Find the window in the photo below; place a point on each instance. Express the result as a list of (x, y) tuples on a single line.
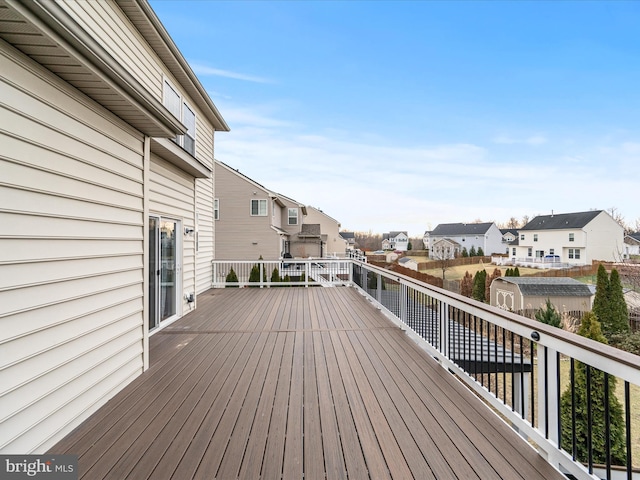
[(529, 252), (574, 253), (552, 251), (535, 237), (216, 209), (522, 236), (513, 251), (577, 253), (539, 253), (571, 237), (189, 120), (293, 216), (571, 253), (184, 113), (258, 208)]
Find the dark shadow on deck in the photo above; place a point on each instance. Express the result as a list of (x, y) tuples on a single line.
[(292, 383)]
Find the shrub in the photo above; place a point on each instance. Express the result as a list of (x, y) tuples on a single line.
[(232, 278), (275, 275)]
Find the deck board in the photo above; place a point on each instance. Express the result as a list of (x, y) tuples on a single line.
[(291, 383)]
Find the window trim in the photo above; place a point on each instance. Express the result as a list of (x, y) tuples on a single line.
[(290, 217), (216, 209), (259, 200), (182, 104)]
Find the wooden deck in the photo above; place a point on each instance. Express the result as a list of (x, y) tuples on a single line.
[(295, 383)]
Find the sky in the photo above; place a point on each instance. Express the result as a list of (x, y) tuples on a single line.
[(401, 115)]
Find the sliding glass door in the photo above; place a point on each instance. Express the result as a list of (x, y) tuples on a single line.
[(165, 270)]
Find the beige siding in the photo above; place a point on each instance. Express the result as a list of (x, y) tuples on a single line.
[(238, 234), (71, 256), (205, 227), (171, 194), (109, 26)]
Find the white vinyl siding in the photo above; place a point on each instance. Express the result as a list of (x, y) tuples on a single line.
[(171, 195), (71, 256)]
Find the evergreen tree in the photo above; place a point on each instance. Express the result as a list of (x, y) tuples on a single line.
[(275, 275), (601, 301), (472, 252), (516, 272), (464, 252), (466, 285), (479, 285), (618, 322), (480, 252), (591, 328), (232, 278), (254, 276), (549, 315), (509, 272), (409, 246)]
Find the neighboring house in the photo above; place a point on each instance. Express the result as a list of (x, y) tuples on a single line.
[(632, 245), (445, 249), (395, 241), (426, 239), (334, 243), (525, 293), (510, 239), (350, 238), (251, 220), (570, 238), (468, 235), (107, 206)]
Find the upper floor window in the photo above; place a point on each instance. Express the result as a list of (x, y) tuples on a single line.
[(258, 208), (293, 216), (216, 209), (529, 252), (522, 236), (179, 108), (571, 237), (535, 237)]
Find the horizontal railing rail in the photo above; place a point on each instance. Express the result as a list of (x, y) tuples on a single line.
[(280, 273), (529, 372)]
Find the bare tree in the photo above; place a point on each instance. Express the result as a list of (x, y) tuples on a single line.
[(618, 217), (443, 259), (513, 223), (525, 220)]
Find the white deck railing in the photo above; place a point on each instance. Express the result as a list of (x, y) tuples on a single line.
[(520, 367)]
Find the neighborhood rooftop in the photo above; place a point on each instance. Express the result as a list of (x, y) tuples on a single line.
[(562, 220), (553, 286)]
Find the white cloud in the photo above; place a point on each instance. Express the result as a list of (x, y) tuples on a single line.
[(370, 183), (204, 70)]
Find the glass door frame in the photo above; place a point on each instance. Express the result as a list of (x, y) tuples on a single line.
[(155, 293)]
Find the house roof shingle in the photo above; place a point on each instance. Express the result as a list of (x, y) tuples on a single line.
[(456, 229), (561, 221), (553, 286)]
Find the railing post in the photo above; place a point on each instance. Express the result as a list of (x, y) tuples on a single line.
[(444, 328), (379, 288), (548, 393), (261, 274), (350, 266), (307, 274), (403, 303)]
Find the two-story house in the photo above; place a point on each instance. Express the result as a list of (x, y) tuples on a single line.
[(398, 241), (251, 220), (350, 239), (631, 245), (107, 195), (570, 238), (333, 242), (448, 240)]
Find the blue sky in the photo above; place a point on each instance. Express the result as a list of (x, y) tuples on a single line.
[(406, 114)]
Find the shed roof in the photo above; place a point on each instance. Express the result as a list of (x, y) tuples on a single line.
[(550, 286)]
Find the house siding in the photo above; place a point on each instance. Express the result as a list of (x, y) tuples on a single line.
[(71, 255), (239, 235), (172, 194)]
